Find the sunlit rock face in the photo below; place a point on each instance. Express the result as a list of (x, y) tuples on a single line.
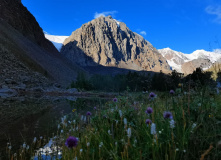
[(108, 42)]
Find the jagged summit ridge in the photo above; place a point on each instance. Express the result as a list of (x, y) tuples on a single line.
[(187, 63), (108, 42)]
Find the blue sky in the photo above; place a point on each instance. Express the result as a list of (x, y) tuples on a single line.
[(183, 25)]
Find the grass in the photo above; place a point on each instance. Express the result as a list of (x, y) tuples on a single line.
[(117, 130)]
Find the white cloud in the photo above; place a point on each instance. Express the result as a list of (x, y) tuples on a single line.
[(107, 13), (143, 33), (215, 10)]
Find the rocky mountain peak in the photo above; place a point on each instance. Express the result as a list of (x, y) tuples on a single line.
[(108, 42)]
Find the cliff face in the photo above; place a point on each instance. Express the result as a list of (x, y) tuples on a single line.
[(22, 41), (107, 42), (16, 15)]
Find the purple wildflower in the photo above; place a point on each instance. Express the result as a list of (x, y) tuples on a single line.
[(149, 110), (172, 91), (95, 108), (148, 121), (167, 115), (115, 99), (89, 113), (71, 142), (152, 95)]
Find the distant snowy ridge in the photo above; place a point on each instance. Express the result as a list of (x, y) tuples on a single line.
[(56, 40), (176, 59)]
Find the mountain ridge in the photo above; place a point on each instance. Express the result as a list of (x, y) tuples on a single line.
[(187, 63), (107, 42)]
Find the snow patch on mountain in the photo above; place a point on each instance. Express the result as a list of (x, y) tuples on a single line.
[(176, 59), (56, 40)]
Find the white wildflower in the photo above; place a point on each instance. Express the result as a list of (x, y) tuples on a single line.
[(81, 150), (194, 125), (35, 139), (82, 117), (85, 119), (24, 145), (184, 151), (74, 121), (9, 147), (109, 132), (41, 137), (129, 132), (172, 123), (88, 144), (160, 132), (153, 129), (62, 131), (120, 113), (125, 121), (177, 149)]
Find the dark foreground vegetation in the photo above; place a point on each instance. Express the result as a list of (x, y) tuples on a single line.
[(180, 121)]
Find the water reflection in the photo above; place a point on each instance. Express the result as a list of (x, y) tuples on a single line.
[(23, 118)]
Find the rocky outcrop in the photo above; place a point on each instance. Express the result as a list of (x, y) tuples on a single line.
[(18, 16), (190, 66), (24, 45), (107, 42)]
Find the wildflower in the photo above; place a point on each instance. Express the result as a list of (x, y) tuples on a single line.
[(129, 132), (82, 117), (95, 108), (24, 145), (193, 125), (74, 110), (153, 129), (199, 104), (15, 154), (85, 119), (149, 110), (160, 132), (180, 85), (152, 95), (88, 144), (148, 121), (71, 142), (116, 143), (167, 115), (35, 139), (177, 149), (109, 132), (172, 91), (172, 123), (9, 147), (89, 113), (74, 121), (81, 150), (59, 126), (101, 144), (115, 99), (41, 137), (125, 122), (184, 151), (120, 113), (62, 131), (27, 147)]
